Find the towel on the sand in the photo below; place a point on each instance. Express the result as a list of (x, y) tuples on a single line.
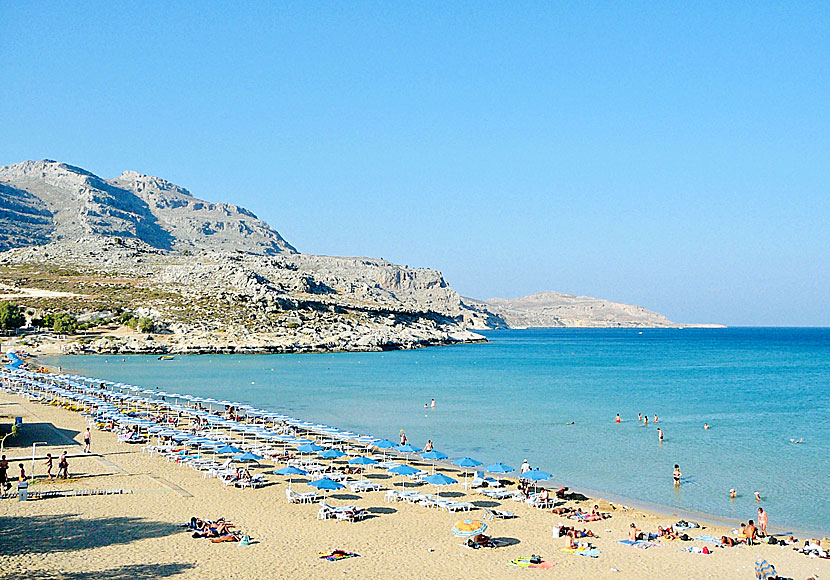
[(643, 544), (708, 539), (335, 555), (590, 552), (696, 550), (526, 563)]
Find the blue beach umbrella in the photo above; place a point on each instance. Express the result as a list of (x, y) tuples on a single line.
[(326, 484), (499, 468), (331, 454), (247, 456), (228, 449), (439, 480), (466, 462), (406, 450), (364, 461), (385, 444), (403, 471), (309, 448), (535, 475), (289, 471), (434, 456)]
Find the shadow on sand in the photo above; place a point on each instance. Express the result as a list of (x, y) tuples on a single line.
[(67, 533), (127, 572), (47, 432)]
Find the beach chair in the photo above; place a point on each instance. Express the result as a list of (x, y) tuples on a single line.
[(325, 512), (483, 480), (491, 514)]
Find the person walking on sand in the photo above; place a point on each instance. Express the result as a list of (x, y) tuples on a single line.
[(63, 466), (676, 475), (762, 521), (4, 474), (87, 441), (48, 464)]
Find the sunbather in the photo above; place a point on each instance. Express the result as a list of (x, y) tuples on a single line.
[(635, 533)]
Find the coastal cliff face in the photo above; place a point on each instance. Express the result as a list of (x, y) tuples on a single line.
[(552, 309), (211, 277)]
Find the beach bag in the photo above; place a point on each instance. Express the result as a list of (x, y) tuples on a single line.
[(534, 559), (685, 537)]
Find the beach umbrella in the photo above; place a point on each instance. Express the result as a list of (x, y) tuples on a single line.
[(247, 456), (468, 528), (406, 450), (499, 468), (434, 456), (439, 480), (326, 484), (535, 475), (364, 461), (466, 462), (764, 570), (309, 448), (331, 454), (403, 471), (228, 449), (289, 471)]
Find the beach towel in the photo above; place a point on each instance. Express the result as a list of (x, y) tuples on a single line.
[(336, 555), (642, 544), (590, 552), (526, 563), (711, 539), (696, 550)]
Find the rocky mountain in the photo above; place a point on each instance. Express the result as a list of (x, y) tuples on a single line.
[(68, 203), (551, 309), (211, 277)]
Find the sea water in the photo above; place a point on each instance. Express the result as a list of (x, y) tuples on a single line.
[(514, 397)]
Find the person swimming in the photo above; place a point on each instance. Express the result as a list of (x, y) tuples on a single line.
[(617, 420), (757, 496), (706, 426), (733, 494)]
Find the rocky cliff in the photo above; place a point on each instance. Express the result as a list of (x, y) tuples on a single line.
[(211, 277), (551, 309)]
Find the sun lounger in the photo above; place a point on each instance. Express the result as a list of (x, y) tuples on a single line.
[(482, 480), (498, 514), (500, 493), (294, 497), (363, 485)]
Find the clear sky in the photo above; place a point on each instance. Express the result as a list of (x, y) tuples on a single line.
[(672, 155)]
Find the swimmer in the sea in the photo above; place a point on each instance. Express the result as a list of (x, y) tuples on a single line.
[(659, 434), (677, 475), (733, 494), (757, 496), (617, 420), (797, 440), (706, 426)]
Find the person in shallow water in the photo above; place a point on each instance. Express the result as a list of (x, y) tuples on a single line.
[(659, 434), (676, 475), (617, 420)]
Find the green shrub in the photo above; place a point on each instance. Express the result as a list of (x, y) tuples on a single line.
[(11, 318)]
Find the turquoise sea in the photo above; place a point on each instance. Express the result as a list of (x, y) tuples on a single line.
[(512, 398)]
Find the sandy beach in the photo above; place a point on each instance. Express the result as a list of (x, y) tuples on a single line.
[(137, 534)]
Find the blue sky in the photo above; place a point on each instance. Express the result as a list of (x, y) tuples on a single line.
[(672, 156)]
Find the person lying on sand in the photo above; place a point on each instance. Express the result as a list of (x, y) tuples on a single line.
[(668, 533)]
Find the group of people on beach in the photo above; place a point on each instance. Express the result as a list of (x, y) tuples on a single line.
[(23, 477)]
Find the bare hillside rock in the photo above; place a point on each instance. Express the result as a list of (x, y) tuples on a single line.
[(552, 309)]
